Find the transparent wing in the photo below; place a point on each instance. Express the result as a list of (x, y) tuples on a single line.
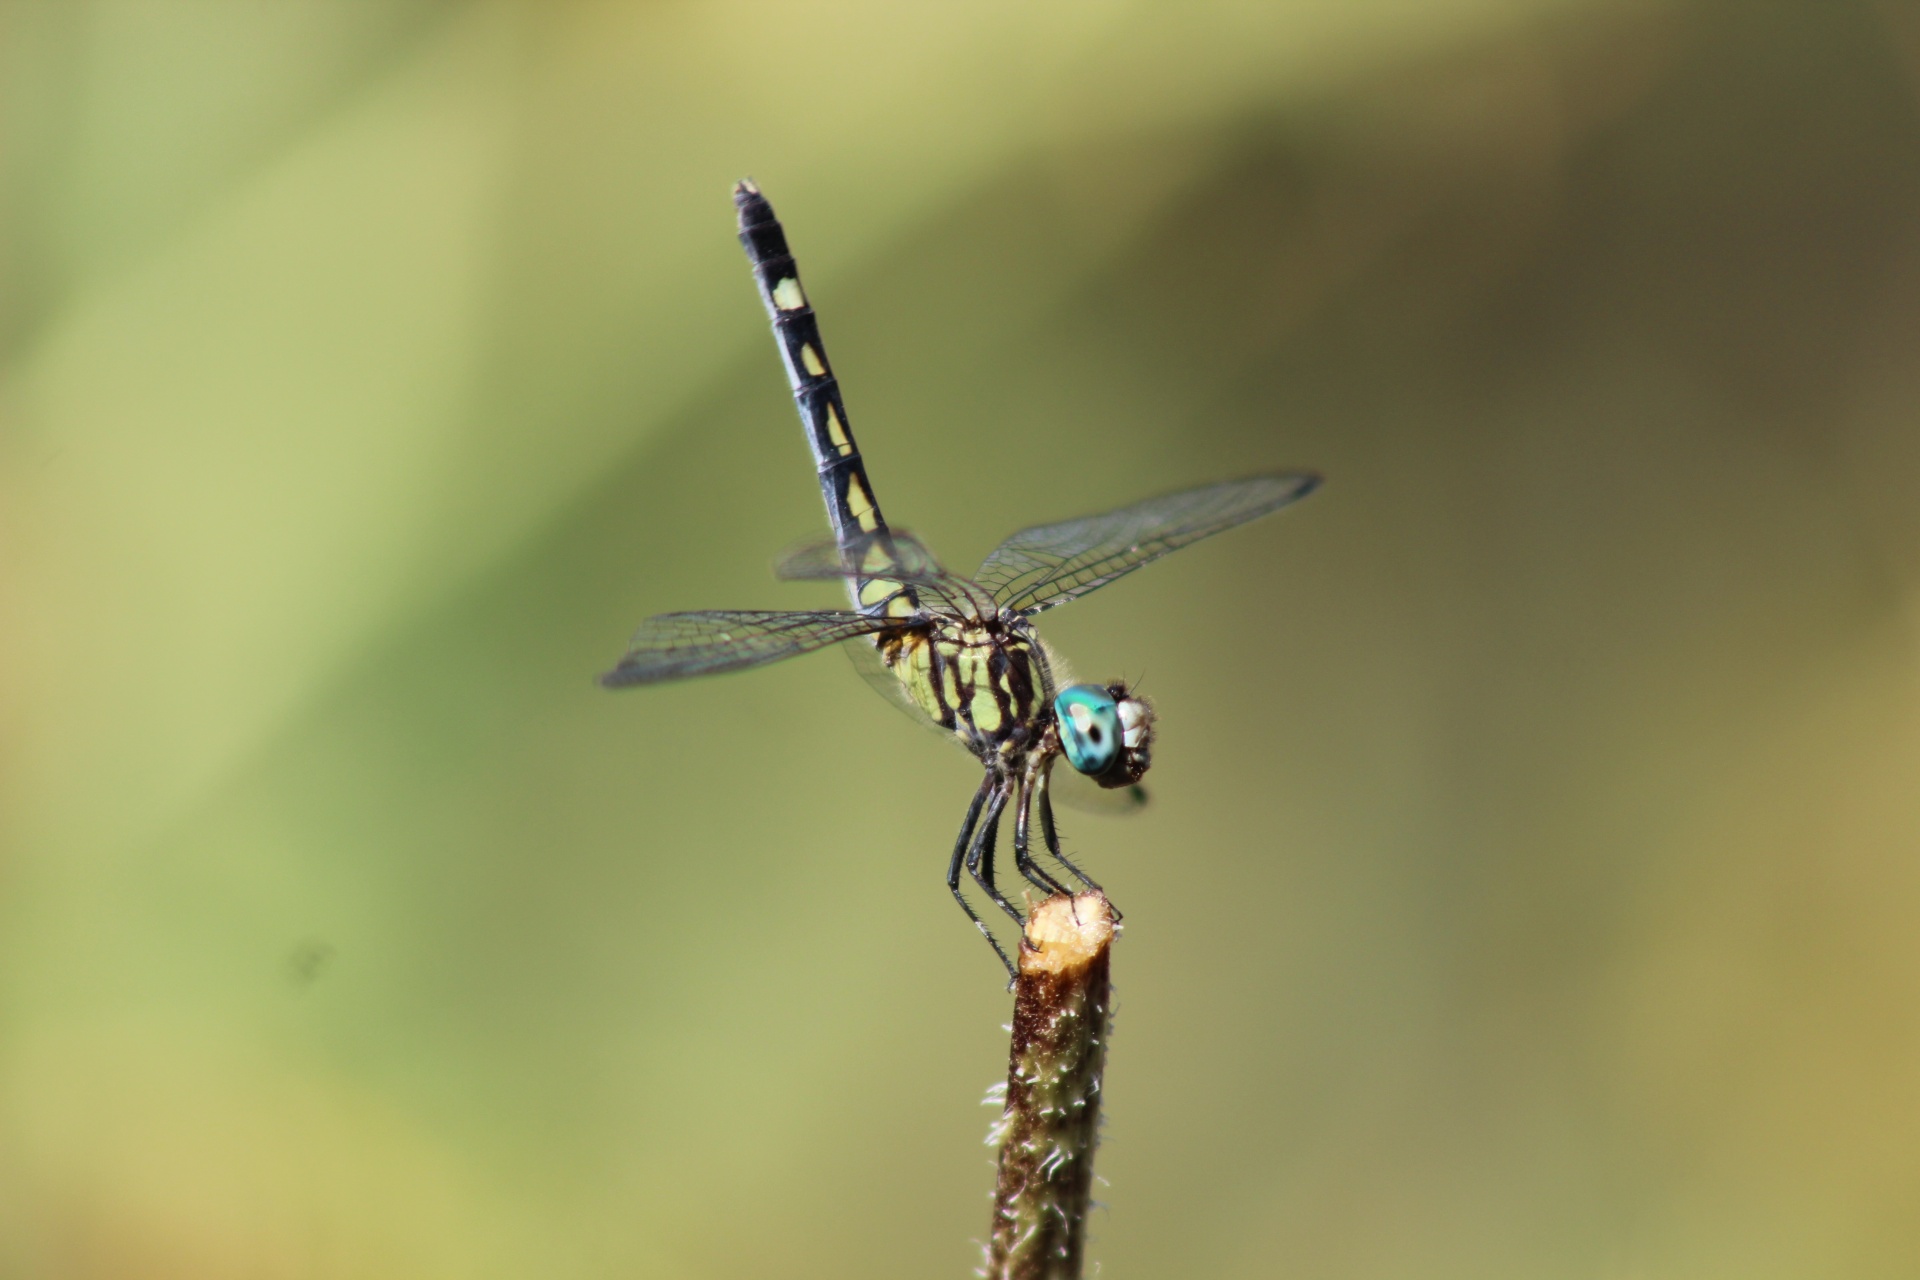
[(1050, 564), (1076, 790), (892, 556), (674, 646), (896, 556)]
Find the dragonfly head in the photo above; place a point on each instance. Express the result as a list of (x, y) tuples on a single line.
[(1105, 731)]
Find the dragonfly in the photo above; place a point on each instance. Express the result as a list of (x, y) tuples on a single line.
[(959, 653)]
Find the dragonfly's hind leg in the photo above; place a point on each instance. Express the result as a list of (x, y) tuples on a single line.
[(1035, 874), (980, 855), (961, 847)]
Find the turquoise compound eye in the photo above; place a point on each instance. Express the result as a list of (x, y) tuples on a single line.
[(1089, 727)]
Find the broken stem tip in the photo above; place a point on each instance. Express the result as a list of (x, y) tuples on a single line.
[(1047, 1131)]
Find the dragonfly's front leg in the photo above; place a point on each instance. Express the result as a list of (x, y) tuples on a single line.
[(961, 849), (1052, 838)]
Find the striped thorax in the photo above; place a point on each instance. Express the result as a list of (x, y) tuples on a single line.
[(985, 680)]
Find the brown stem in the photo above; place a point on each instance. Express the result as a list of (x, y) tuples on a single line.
[(1047, 1132)]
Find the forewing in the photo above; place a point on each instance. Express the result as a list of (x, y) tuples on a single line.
[(674, 646), (1051, 564)]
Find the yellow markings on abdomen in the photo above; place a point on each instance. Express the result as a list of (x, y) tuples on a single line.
[(860, 504), (811, 359), (889, 593), (787, 295), (837, 430)]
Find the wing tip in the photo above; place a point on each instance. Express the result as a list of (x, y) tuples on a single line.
[(625, 675), (1300, 480), (1292, 484)]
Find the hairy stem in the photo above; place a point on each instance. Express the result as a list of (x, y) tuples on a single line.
[(1047, 1132)]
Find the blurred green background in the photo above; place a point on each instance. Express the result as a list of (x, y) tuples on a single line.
[(1532, 881)]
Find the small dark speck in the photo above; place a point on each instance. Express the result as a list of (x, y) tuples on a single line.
[(308, 962)]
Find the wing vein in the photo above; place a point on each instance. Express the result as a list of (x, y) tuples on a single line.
[(1045, 566), (673, 646)]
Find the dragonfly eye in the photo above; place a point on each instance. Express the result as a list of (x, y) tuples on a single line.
[(1105, 732), (1090, 729)]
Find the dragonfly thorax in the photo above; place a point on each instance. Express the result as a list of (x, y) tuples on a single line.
[(981, 679)]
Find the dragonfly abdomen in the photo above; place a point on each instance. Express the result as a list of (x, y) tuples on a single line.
[(851, 507)]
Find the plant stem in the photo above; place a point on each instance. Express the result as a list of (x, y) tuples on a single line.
[(1048, 1130)]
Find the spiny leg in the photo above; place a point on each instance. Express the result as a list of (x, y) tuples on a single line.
[(1052, 838), (1035, 874), (960, 848), (980, 856)]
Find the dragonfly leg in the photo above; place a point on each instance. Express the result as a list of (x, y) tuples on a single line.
[(1052, 837), (960, 848), (980, 855), (1035, 874)]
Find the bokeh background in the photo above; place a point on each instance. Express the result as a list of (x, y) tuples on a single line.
[(1532, 887)]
